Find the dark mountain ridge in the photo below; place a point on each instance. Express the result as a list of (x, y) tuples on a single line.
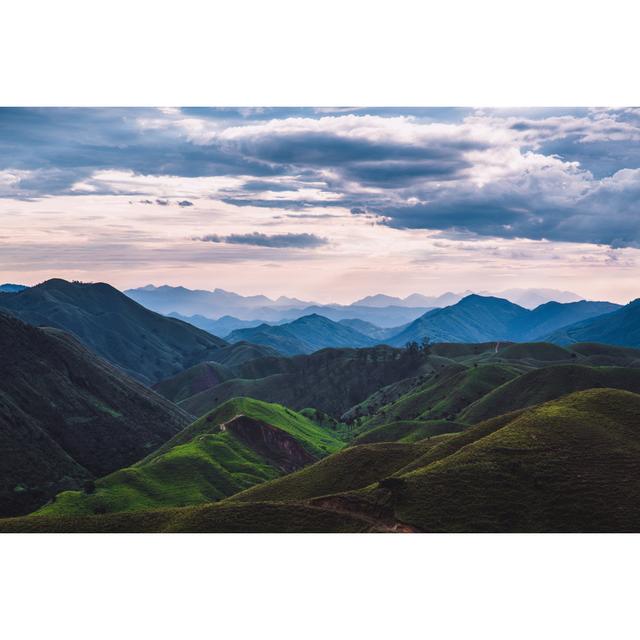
[(143, 343), (67, 415)]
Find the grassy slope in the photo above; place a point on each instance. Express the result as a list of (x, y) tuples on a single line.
[(210, 518), (542, 385), (537, 351), (571, 464), (352, 468), (408, 431), (200, 464), (443, 395)]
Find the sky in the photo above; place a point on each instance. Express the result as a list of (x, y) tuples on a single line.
[(327, 204)]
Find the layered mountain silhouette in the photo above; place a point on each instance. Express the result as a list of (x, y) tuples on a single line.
[(304, 335), (145, 344), (67, 416), (482, 319), (620, 327)]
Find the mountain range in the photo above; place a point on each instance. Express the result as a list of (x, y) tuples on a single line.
[(472, 319), (382, 310), (116, 418), (145, 344)]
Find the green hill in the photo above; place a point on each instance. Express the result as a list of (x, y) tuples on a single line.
[(353, 468), (143, 343), (443, 396), (542, 385), (572, 464), (602, 355), (331, 380), (66, 416), (534, 352), (569, 465), (210, 518), (409, 431), (240, 444)]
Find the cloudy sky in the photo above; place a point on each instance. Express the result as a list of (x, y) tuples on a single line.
[(324, 204)]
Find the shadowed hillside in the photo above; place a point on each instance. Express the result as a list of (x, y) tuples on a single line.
[(67, 415), (621, 327), (145, 344), (332, 380)]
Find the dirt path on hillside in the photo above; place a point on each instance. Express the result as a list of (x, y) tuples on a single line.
[(378, 524)]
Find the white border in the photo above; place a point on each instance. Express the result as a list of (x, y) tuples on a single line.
[(490, 53), (330, 53)]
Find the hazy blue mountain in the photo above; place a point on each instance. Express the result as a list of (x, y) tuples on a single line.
[(221, 327), (414, 300), (620, 327), (304, 335), (529, 298), (383, 317), (532, 298), (372, 330), (11, 288), (486, 318), (145, 344), (473, 319), (552, 315), (211, 304)]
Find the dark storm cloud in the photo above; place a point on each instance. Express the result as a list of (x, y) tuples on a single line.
[(608, 214), (359, 159), (592, 197), (282, 240)]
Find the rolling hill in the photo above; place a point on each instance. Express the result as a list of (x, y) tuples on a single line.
[(67, 416), (442, 396), (304, 335), (572, 464), (620, 327), (569, 465), (332, 380), (142, 343), (240, 444), (548, 383)]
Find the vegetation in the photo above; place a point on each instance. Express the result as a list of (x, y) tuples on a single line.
[(546, 384), (67, 416), (212, 458), (409, 431), (443, 395), (145, 344)]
